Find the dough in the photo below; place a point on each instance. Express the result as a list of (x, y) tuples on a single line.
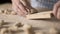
[(19, 25), (1, 11), (7, 11), (13, 28), (4, 30), (28, 29), (13, 13)]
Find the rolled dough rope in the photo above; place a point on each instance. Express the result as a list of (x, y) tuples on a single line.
[(53, 31), (41, 15), (28, 29)]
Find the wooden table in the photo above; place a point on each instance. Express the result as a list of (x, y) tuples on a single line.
[(39, 25)]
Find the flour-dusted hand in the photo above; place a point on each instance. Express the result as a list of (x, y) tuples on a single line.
[(20, 7), (56, 10)]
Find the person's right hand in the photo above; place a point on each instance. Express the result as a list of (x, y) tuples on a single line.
[(20, 7), (56, 10)]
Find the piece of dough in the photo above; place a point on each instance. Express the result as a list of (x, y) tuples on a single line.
[(1, 11), (28, 29), (13, 28), (19, 25), (4, 30), (13, 13), (7, 11)]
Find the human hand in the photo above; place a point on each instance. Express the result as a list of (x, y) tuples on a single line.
[(56, 10), (20, 7)]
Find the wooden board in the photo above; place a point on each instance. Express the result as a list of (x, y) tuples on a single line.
[(38, 25), (41, 15)]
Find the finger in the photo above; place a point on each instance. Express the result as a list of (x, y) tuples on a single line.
[(58, 14), (22, 7), (55, 9), (19, 11), (16, 9), (23, 2), (15, 1), (26, 4)]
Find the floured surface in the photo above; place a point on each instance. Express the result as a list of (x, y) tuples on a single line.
[(39, 25)]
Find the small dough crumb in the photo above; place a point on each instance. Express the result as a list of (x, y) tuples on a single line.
[(7, 11), (19, 24), (1, 11), (13, 13)]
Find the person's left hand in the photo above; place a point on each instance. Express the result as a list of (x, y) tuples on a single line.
[(56, 10), (21, 7)]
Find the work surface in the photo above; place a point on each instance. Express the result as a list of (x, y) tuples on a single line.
[(39, 25)]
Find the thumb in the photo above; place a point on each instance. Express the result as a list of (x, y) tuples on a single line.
[(55, 8)]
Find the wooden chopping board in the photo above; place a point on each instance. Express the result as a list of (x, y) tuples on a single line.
[(39, 25)]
